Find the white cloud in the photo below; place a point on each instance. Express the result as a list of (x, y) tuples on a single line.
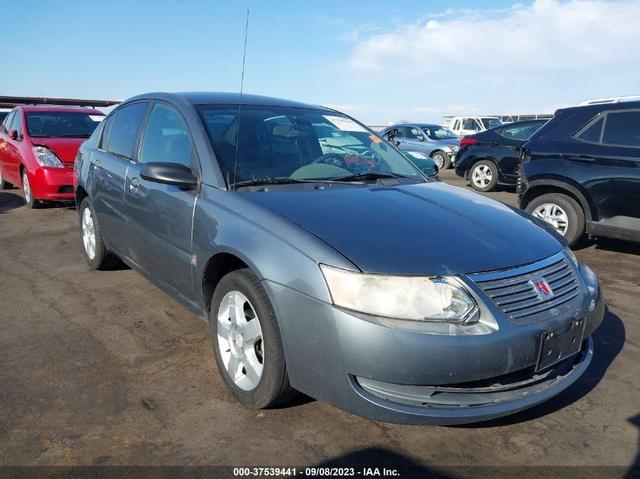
[(549, 52)]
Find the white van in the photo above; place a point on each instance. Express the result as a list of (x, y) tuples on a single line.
[(468, 125)]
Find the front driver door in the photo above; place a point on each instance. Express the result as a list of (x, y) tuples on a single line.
[(161, 215)]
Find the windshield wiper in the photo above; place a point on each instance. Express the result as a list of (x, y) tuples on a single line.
[(370, 176), (280, 180)]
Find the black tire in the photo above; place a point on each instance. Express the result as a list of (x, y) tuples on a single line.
[(483, 168), (574, 212), (29, 200), (442, 160), (273, 387), (4, 185), (102, 259)]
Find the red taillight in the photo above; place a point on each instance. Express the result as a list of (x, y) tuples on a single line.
[(467, 141)]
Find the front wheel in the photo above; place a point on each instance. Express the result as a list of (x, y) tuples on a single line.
[(30, 201), (560, 211), (441, 159), (246, 342)]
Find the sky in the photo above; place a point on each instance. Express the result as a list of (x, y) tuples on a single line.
[(380, 61)]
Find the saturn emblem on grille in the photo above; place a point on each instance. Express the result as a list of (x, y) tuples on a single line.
[(541, 287)]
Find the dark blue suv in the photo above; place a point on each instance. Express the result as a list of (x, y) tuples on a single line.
[(581, 172)]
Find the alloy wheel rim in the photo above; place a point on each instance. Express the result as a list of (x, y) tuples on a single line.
[(482, 176), (26, 188), (240, 340), (439, 160), (554, 215), (88, 233)]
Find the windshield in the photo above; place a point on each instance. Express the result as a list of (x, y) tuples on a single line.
[(491, 123), (439, 133), (53, 124), (298, 144)]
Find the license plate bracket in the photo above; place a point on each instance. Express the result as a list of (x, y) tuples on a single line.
[(555, 347)]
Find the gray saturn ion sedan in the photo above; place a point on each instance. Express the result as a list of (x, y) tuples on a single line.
[(315, 251)]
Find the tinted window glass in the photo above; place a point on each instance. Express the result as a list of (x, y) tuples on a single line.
[(3, 115), (491, 123), (106, 131), (622, 128), (53, 124), (470, 124), (520, 132), (124, 131), (7, 122), (166, 139), (16, 123), (593, 132)]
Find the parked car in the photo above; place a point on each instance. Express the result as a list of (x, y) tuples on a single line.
[(469, 125), (326, 263), (492, 156), (38, 146), (435, 141), (581, 172)]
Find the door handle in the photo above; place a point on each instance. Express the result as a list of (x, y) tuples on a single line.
[(134, 184)]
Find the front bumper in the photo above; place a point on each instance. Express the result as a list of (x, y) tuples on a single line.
[(386, 372), (52, 183)]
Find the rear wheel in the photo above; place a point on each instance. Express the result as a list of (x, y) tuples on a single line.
[(441, 159), (560, 211), (3, 184), (484, 175), (246, 342), (95, 252)]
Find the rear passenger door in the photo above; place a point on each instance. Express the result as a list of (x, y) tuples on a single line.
[(161, 215), (108, 169), (607, 161)]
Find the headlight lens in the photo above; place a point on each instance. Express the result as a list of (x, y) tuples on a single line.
[(46, 157), (402, 297)]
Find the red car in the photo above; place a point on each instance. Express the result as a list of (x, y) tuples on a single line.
[(38, 146)]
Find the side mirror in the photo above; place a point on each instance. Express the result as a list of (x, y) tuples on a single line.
[(13, 133), (169, 174)]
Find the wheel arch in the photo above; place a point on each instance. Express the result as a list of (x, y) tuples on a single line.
[(540, 187), (216, 267), (81, 194)]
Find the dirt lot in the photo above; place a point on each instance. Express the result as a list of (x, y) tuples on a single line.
[(103, 368)]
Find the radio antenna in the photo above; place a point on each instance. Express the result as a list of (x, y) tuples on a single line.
[(244, 59)]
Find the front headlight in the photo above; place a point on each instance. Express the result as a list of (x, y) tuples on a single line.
[(441, 299), (46, 157)]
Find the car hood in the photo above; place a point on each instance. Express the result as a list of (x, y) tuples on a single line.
[(64, 148), (421, 229)]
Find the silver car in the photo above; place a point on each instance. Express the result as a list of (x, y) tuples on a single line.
[(438, 142)]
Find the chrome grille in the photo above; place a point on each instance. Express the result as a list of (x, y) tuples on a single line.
[(513, 293)]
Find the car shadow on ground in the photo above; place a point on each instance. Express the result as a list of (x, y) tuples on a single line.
[(618, 246), (10, 201), (608, 341)]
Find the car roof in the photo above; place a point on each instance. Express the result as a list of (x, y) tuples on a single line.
[(226, 98), (627, 105), (59, 109)]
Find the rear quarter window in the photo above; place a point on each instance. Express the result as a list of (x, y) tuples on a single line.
[(622, 128), (121, 136)]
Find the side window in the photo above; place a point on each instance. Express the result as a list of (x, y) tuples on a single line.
[(415, 133), (402, 132), (622, 128), (106, 131), (16, 124), (7, 121), (519, 132), (456, 125), (593, 132), (469, 124), (124, 131), (166, 139)]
